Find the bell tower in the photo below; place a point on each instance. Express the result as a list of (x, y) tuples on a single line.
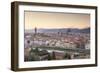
[(35, 30)]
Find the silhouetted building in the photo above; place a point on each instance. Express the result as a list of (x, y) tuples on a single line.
[(35, 30)]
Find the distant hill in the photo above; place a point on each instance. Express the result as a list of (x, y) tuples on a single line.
[(63, 30)]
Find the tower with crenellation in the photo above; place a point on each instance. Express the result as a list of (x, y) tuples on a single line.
[(35, 30)]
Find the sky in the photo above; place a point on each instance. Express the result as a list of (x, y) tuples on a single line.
[(51, 20)]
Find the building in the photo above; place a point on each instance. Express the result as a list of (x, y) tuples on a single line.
[(28, 42), (87, 46)]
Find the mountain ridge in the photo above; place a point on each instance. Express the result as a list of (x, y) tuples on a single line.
[(63, 30)]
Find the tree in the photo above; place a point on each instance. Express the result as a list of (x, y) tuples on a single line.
[(49, 56), (53, 55), (36, 50), (67, 56)]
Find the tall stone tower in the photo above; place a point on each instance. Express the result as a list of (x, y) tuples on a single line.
[(35, 30)]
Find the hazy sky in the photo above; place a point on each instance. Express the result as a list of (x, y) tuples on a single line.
[(56, 20)]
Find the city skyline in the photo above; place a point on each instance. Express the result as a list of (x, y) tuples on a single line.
[(49, 20)]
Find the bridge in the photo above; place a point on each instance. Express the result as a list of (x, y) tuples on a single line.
[(78, 50)]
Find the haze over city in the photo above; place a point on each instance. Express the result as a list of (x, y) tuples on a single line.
[(50, 20), (56, 36)]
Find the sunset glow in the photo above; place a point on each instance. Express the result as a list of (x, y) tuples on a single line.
[(56, 20)]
